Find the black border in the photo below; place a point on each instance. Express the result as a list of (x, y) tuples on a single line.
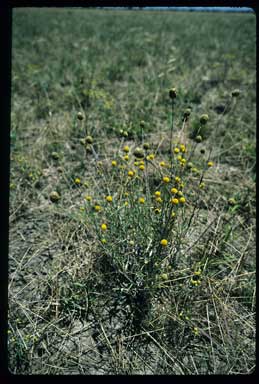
[(5, 108)]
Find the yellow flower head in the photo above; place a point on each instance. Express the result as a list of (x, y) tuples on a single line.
[(176, 150), (182, 200), (97, 208), (141, 200), (164, 276), (114, 163), (210, 163), (164, 242), (166, 179), (157, 193), (77, 181), (174, 190), (202, 185), (162, 164), (179, 158), (179, 193), (136, 163), (88, 198), (182, 148), (108, 198), (142, 167), (126, 194), (159, 200), (151, 157), (157, 210), (183, 161), (104, 241), (104, 227), (131, 173), (126, 149), (173, 214), (177, 179), (195, 331), (126, 157), (175, 201)]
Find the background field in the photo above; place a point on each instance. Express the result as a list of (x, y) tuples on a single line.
[(116, 67)]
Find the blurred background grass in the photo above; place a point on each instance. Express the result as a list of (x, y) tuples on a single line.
[(119, 64)]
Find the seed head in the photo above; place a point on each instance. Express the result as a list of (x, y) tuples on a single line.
[(139, 153), (142, 124), (54, 196), (204, 118), (198, 139), (232, 201), (235, 92), (186, 113), (55, 155), (172, 93), (146, 145), (80, 116), (89, 140)]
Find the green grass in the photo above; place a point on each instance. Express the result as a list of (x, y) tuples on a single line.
[(126, 304)]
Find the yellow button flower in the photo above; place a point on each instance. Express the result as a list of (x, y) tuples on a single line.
[(142, 167), (182, 148), (210, 163), (77, 181), (174, 190), (164, 242), (108, 198), (166, 179), (157, 193), (126, 157), (114, 163), (104, 227), (151, 157), (97, 208), (162, 164), (177, 179), (175, 201), (141, 200), (176, 150), (88, 198), (159, 200), (182, 200), (130, 173), (126, 149)]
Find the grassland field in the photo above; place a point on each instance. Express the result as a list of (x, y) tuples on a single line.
[(144, 284)]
